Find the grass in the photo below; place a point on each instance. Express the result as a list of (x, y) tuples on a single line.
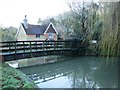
[(13, 78)]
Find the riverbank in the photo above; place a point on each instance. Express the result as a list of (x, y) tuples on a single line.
[(13, 78)]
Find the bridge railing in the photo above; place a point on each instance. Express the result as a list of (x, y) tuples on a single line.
[(14, 50), (33, 46)]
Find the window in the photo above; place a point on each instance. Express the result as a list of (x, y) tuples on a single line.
[(38, 36), (50, 35)]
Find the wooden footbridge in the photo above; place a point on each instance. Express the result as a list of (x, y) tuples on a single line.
[(14, 50)]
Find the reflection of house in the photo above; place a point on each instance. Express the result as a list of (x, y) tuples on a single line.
[(36, 32)]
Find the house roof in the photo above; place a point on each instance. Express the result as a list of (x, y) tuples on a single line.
[(35, 29), (39, 29)]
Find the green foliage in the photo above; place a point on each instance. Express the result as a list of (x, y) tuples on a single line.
[(110, 37), (12, 78), (85, 21), (8, 34), (96, 21)]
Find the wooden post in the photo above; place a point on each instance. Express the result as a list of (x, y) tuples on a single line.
[(9, 47), (63, 47), (54, 46), (30, 49), (48, 45), (15, 50), (58, 45), (43, 46), (24, 46), (36, 45), (2, 58)]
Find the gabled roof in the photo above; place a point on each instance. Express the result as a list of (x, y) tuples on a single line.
[(51, 26), (35, 29), (39, 29)]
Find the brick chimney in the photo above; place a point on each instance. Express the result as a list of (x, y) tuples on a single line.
[(25, 22)]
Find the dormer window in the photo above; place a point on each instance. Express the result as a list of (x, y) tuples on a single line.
[(37, 35)]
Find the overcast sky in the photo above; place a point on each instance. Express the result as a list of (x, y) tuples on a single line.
[(12, 12)]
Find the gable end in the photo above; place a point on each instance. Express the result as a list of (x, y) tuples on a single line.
[(51, 29)]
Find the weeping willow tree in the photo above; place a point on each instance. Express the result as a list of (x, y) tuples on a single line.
[(110, 37)]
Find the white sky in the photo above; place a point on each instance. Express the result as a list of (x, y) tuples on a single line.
[(12, 12)]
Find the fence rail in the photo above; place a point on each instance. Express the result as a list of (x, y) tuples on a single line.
[(14, 48)]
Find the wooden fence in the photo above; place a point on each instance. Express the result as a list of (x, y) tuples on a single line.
[(14, 50)]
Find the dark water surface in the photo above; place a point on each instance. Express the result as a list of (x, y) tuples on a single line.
[(74, 72)]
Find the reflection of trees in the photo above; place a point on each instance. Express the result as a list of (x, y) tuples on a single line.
[(82, 78), (107, 75), (95, 73), (83, 72)]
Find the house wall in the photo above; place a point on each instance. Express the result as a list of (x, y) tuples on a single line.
[(51, 30), (33, 37), (21, 34), (54, 36), (23, 37)]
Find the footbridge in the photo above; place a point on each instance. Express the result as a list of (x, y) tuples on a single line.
[(14, 50)]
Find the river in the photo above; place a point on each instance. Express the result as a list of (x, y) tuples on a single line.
[(71, 72)]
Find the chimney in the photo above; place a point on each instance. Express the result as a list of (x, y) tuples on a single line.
[(25, 22)]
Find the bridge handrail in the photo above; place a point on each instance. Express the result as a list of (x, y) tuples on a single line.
[(24, 46), (33, 41)]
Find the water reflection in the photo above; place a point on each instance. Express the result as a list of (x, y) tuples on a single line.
[(79, 72)]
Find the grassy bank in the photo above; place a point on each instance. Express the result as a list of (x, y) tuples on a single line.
[(13, 78)]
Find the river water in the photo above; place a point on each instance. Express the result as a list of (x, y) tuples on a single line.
[(72, 72)]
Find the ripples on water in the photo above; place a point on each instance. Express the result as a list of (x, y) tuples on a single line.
[(74, 72)]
